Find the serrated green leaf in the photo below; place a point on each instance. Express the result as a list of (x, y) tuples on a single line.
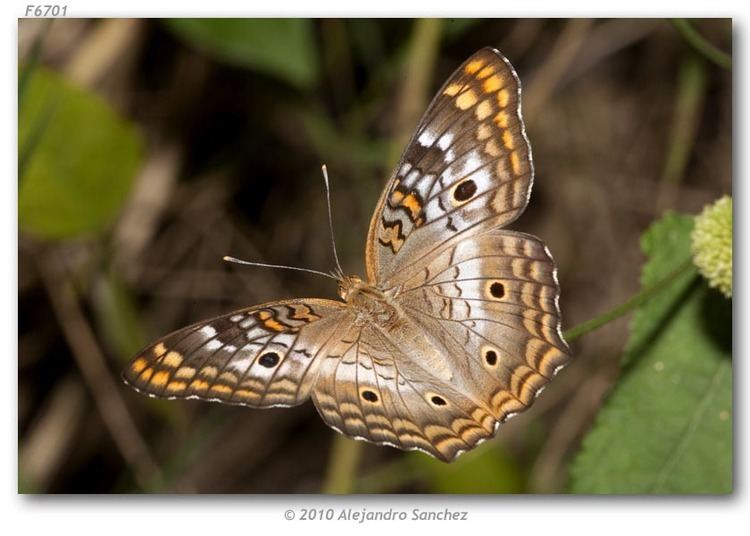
[(667, 426), (77, 159), (284, 48)]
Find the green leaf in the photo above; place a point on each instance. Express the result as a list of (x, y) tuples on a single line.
[(667, 426), (284, 48), (77, 159)]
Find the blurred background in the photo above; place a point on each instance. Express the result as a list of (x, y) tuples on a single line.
[(148, 149)]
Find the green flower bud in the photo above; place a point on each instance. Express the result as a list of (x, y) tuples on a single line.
[(712, 244)]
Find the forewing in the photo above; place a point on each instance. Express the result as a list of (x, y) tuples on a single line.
[(491, 302), (262, 356), (466, 170)]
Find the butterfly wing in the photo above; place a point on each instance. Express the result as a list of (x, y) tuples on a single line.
[(368, 389), (490, 303), (479, 340), (263, 356), (467, 168)]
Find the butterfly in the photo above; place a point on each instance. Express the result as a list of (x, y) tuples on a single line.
[(456, 328)]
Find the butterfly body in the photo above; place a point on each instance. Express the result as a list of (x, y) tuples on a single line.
[(457, 326), (369, 304)]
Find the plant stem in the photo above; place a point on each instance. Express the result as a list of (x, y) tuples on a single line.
[(417, 78), (699, 43), (342, 467), (643, 296), (92, 363), (691, 93)]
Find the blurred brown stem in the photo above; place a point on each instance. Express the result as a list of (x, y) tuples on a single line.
[(550, 73), (90, 359), (44, 449), (415, 90), (102, 49)]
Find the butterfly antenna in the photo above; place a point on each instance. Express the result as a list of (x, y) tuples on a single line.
[(340, 272), (337, 274), (263, 265)]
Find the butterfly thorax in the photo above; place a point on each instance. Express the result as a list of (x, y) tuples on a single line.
[(381, 311), (369, 303)]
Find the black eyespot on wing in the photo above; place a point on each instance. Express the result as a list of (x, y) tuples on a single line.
[(369, 396), (491, 357), (438, 401), (497, 289), (269, 359), (465, 190)]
